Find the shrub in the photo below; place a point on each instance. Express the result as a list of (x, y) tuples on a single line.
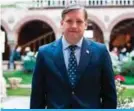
[(127, 68), (123, 103), (29, 62)]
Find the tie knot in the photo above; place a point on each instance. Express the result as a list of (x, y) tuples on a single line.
[(72, 47)]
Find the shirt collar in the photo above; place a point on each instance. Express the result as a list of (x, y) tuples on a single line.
[(66, 44)]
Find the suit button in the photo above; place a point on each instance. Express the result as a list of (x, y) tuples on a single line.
[(73, 92)]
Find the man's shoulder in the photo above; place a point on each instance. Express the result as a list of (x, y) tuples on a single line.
[(97, 48), (48, 47), (95, 44)]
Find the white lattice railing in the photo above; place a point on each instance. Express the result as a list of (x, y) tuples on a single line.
[(63, 3)]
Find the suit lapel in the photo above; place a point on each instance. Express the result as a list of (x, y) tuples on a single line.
[(85, 58), (59, 61)]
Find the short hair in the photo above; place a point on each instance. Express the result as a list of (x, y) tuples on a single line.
[(72, 7)]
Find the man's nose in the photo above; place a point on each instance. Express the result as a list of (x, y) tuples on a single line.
[(74, 25)]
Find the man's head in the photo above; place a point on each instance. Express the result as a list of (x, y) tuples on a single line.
[(27, 49), (18, 49), (74, 7), (74, 23), (115, 49)]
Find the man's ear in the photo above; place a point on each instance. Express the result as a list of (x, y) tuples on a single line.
[(61, 25), (61, 22), (86, 24)]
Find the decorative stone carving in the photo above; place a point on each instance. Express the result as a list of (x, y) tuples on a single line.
[(14, 82)]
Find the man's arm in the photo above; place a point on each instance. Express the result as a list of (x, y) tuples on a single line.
[(38, 85), (108, 89)]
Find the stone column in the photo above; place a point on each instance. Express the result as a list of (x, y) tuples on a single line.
[(12, 40), (106, 38), (2, 80), (12, 46)]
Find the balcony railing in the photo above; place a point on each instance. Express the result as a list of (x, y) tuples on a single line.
[(34, 4)]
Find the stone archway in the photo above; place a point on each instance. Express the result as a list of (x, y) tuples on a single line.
[(98, 22), (35, 26), (96, 32), (29, 18), (5, 26), (122, 35), (6, 53), (120, 18), (98, 28), (30, 33), (117, 20)]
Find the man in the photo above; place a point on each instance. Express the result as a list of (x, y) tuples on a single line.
[(15, 56), (73, 72)]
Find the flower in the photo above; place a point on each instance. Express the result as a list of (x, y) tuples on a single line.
[(120, 78)]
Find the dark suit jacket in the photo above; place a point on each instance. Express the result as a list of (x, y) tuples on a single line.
[(95, 86)]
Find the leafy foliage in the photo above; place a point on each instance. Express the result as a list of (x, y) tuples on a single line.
[(26, 77), (123, 102)]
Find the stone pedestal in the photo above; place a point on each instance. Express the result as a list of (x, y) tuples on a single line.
[(14, 82)]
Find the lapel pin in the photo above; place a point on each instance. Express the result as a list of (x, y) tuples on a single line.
[(87, 51)]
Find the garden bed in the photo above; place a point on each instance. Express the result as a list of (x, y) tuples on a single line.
[(26, 77)]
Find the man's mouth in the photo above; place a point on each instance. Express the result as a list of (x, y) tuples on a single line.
[(73, 31)]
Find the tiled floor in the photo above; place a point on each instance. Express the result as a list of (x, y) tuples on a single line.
[(16, 103)]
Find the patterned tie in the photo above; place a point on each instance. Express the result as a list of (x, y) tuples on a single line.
[(72, 65)]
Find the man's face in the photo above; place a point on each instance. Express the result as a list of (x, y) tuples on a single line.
[(73, 25)]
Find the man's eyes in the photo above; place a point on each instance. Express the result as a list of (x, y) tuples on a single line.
[(69, 21), (78, 22)]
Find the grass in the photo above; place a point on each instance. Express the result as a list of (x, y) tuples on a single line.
[(27, 91), (19, 92), (128, 93), (26, 77), (129, 80)]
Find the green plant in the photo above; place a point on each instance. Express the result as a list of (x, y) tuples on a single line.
[(123, 102), (19, 92), (127, 68), (26, 77), (29, 63), (128, 93), (129, 80), (116, 70)]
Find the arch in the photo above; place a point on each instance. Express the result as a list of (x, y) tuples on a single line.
[(119, 19), (29, 18), (97, 22), (5, 26), (6, 53)]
